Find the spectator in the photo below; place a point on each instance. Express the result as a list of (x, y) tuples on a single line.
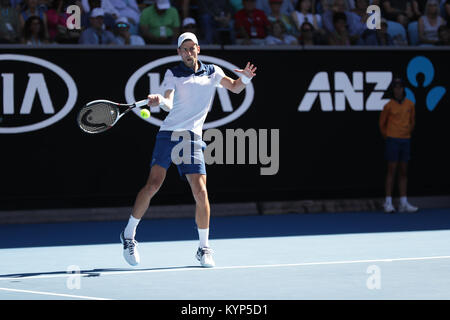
[(396, 125), (128, 9), (444, 36), (418, 7), (430, 22), (110, 12), (279, 36), (308, 36), (57, 27), (377, 37), (32, 9), (9, 24), (251, 24), (96, 34), (160, 23), (288, 6), (360, 9), (33, 32), (400, 11), (263, 5), (189, 25), (340, 36), (277, 15), (303, 12), (215, 16), (106, 5), (237, 5), (355, 26), (123, 35)]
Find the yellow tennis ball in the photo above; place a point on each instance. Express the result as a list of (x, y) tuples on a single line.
[(145, 113)]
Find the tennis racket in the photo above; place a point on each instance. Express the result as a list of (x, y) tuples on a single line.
[(100, 115)]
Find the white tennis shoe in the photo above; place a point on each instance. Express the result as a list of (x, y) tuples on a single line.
[(388, 208), (130, 252), (204, 255), (407, 208)]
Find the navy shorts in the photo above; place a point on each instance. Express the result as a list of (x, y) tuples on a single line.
[(397, 149), (186, 152)]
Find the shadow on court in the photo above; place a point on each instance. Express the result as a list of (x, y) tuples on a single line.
[(84, 233), (89, 273)]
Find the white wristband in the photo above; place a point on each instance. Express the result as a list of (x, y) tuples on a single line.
[(245, 79)]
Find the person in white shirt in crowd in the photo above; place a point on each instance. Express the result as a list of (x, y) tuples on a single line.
[(303, 12), (130, 10)]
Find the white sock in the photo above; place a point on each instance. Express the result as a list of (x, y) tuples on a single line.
[(388, 200), (203, 235), (130, 229), (403, 201)]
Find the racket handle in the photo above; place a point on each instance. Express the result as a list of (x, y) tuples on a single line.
[(141, 103)]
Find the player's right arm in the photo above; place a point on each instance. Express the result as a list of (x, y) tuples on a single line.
[(164, 102)]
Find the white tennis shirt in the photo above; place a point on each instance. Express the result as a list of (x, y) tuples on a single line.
[(194, 93)]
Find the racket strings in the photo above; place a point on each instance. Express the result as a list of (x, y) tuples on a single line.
[(97, 117)]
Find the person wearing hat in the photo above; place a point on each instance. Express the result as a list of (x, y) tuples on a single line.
[(124, 37), (96, 34), (396, 125), (159, 23), (188, 90)]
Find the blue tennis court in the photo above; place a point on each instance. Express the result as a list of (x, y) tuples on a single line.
[(362, 255)]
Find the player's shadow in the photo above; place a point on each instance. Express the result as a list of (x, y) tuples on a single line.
[(91, 272)]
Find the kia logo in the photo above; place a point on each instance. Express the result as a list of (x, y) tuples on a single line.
[(231, 112), (37, 88)]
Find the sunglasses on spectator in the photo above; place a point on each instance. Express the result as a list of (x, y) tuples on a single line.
[(190, 26), (122, 25)]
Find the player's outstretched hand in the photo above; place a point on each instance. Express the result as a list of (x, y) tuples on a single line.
[(249, 70), (154, 100)]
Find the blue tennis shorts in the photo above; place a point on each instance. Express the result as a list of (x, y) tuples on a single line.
[(183, 148), (397, 149)]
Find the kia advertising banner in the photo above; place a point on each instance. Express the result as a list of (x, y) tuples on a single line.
[(305, 128)]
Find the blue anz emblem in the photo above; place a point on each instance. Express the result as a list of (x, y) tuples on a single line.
[(422, 65)]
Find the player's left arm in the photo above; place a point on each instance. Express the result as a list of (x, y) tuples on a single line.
[(236, 86)]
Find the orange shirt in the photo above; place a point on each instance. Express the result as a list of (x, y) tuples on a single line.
[(397, 120)]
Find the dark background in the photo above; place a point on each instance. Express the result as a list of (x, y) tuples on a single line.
[(330, 155)]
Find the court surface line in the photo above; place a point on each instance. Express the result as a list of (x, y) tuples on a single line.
[(88, 273), (53, 294)]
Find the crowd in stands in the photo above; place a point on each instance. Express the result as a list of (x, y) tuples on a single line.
[(237, 22)]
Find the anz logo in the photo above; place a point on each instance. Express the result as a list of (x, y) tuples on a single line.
[(346, 92), (422, 65)]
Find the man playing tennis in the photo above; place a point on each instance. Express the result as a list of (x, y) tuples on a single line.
[(189, 89)]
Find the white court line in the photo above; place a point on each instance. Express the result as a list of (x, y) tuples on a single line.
[(178, 269), (53, 294)]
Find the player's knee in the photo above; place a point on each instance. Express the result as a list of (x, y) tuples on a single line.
[(152, 187), (201, 196)]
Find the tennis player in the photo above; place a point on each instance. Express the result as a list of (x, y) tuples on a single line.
[(189, 89)]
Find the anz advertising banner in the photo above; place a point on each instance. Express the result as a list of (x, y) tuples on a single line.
[(305, 128)]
